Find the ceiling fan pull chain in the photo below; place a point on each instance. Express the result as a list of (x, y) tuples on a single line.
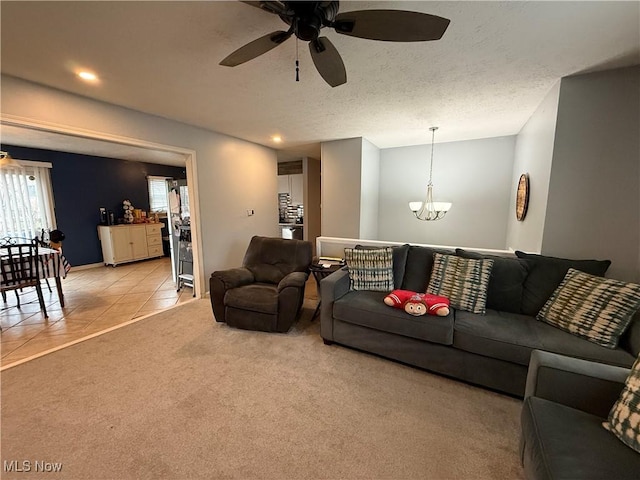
[(297, 63)]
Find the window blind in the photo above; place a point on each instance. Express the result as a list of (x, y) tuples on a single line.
[(158, 201)]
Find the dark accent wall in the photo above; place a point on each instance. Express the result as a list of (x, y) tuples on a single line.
[(84, 183)]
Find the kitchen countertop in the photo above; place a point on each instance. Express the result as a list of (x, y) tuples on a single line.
[(291, 224)]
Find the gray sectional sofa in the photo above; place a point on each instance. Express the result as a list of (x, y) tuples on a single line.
[(491, 350), (566, 401)]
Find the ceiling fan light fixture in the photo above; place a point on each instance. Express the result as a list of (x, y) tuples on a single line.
[(6, 161)]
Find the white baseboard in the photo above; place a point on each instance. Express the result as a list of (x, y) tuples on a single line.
[(87, 266)]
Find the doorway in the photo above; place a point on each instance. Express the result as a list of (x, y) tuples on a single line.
[(36, 134)]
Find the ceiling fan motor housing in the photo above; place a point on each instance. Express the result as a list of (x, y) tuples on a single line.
[(310, 17), (307, 19)]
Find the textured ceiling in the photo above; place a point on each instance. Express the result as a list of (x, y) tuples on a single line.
[(492, 68)]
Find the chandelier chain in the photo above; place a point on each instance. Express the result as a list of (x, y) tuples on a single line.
[(433, 134)]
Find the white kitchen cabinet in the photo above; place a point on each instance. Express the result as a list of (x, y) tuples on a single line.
[(154, 240), (293, 185), (128, 243), (283, 184), (297, 195)]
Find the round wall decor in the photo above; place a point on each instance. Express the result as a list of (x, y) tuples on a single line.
[(522, 197)]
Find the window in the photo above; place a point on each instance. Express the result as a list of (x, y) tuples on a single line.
[(184, 202), (158, 194), (26, 200)]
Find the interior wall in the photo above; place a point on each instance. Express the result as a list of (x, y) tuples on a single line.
[(369, 188), (341, 170), (533, 155), (312, 198), (474, 175), (593, 207), (232, 174), (98, 182)]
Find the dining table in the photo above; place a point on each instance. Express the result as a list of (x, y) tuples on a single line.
[(52, 264)]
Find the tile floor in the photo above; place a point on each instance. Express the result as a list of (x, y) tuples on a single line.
[(95, 299)]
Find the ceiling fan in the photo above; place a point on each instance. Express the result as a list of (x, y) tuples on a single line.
[(306, 19)]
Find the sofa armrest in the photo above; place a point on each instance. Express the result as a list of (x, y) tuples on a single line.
[(588, 386), (293, 279), (223, 280), (332, 287), (234, 277)]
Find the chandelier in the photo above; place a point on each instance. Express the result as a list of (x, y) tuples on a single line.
[(430, 210)]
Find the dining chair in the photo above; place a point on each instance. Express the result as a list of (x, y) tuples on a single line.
[(4, 241), (19, 268), (44, 240)]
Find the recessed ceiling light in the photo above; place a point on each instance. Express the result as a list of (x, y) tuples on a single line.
[(88, 76), (276, 138)]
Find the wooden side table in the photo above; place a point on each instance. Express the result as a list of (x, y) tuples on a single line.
[(319, 272)]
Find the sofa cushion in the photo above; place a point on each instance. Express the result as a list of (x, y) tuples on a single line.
[(370, 269), (367, 309), (512, 337), (546, 273), (270, 259), (624, 418), (506, 282), (562, 442), (418, 268), (257, 297), (630, 340), (598, 309), (463, 281), (400, 253)]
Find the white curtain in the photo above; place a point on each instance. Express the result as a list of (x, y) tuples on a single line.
[(26, 200)]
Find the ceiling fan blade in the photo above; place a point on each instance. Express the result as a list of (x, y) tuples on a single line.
[(271, 7), (256, 48), (328, 61), (391, 25)]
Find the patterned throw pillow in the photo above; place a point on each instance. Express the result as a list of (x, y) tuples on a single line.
[(546, 273), (463, 281), (596, 308), (370, 269), (624, 418)]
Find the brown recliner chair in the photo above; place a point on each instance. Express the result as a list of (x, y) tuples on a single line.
[(267, 292)]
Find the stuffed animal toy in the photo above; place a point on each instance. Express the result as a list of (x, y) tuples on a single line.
[(418, 303)]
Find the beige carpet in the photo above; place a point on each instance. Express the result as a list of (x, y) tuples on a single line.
[(179, 396)]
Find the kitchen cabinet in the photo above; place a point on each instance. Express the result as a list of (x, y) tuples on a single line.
[(154, 240), (297, 195), (293, 185), (283, 184), (128, 243)]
